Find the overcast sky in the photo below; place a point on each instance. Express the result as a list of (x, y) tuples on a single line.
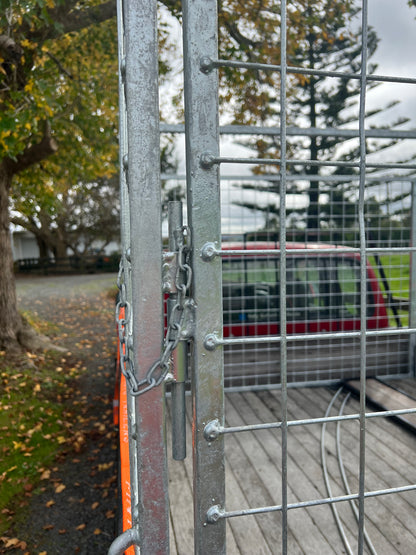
[(395, 24)]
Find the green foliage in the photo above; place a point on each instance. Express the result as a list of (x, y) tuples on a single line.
[(67, 79)]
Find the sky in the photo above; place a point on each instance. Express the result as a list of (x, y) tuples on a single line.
[(395, 24)]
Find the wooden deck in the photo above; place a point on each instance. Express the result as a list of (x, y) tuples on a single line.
[(253, 478)]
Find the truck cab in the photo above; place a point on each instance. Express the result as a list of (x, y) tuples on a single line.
[(322, 290)]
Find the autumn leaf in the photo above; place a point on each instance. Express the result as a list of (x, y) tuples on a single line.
[(94, 505), (59, 488), (81, 527), (50, 503), (97, 532), (48, 527)]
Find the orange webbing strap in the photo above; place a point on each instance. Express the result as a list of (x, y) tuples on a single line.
[(125, 462)]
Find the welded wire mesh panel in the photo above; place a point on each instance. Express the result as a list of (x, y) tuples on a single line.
[(315, 256), (323, 288)]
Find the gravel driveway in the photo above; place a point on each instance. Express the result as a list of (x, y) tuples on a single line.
[(75, 511)]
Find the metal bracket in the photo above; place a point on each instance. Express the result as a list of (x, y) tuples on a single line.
[(169, 272), (188, 325)]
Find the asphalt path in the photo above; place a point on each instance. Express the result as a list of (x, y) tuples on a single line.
[(74, 511)]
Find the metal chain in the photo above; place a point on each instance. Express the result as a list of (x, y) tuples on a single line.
[(159, 371)]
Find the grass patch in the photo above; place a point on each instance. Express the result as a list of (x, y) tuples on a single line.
[(397, 270), (40, 326), (35, 423)]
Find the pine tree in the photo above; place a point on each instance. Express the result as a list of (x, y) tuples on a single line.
[(330, 41)]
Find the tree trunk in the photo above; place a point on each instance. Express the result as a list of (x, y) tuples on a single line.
[(10, 320)]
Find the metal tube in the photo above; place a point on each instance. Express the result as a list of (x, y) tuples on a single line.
[(179, 357), (203, 188), (151, 512), (127, 539), (125, 237)]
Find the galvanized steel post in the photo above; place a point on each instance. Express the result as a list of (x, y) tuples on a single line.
[(150, 503), (202, 143)]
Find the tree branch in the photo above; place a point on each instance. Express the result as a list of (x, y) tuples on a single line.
[(66, 20), (34, 153)]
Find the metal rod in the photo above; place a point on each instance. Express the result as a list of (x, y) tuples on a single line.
[(294, 162), (283, 269), (315, 502), (344, 476), (309, 421), (299, 131), (335, 178), (331, 250), (307, 71), (363, 271), (326, 475), (217, 341)]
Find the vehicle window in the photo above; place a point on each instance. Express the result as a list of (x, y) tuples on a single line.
[(250, 290), (316, 289), (307, 292), (348, 278)]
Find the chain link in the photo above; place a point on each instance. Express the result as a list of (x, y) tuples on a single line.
[(159, 371)]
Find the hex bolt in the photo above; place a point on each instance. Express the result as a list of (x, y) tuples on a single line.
[(208, 252), (125, 162)]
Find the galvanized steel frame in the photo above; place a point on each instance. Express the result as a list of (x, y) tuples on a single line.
[(210, 160), (142, 245), (141, 258), (203, 198)]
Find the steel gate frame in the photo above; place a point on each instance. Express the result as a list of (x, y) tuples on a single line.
[(140, 279)]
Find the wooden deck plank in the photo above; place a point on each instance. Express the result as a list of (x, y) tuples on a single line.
[(304, 451), (311, 533), (386, 398), (253, 479), (406, 385), (379, 475)]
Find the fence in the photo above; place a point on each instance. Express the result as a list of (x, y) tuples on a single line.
[(70, 264), (297, 274)]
